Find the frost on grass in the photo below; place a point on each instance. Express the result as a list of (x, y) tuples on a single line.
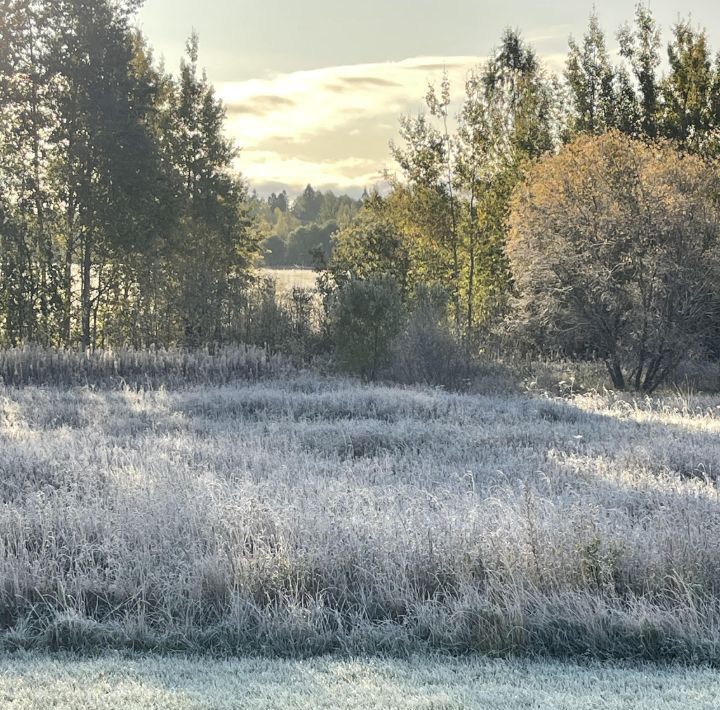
[(67, 683), (307, 515)]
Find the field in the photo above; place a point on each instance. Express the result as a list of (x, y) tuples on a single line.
[(145, 683), (303, 515), (287, 279)]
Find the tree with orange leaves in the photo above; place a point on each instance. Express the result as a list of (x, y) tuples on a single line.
[(614, 246)]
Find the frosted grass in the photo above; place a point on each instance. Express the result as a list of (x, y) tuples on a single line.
[(67, 683), (308, 515)]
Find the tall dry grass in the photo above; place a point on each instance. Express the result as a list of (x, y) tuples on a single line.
[(150, 368), (304, 515)]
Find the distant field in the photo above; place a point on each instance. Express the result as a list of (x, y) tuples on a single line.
[(66, 683), (305, 515), (287, 279)]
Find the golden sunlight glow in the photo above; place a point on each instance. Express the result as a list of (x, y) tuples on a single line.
[(291, 126)]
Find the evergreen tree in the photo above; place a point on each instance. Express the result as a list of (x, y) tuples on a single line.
[(308, 205), (279, 202)]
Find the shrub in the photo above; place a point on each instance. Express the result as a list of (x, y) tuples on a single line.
[(426, 352), (281, 323), (366, 316)]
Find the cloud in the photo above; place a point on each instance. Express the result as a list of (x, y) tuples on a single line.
[(551, 35), (365, 81), (331, 126), (437, 66), (260, 105), (345, 174)]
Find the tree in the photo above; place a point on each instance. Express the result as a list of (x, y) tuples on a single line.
[(424, 201), (371, 245), (641, 48), (279, 202), (30, 287), (691, 92), (307, 206), (274, 251), (615, 251), (508, 118), (122, 219), (107, 172), (683, 105), (215, 248), (591, 79), (309, 243), (452, 199)]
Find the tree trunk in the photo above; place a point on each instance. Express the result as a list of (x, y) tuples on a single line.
[(471, 266), (85, 300), (616, 375), (67, 315)]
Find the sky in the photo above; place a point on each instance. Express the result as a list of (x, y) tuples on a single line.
[(314, 90)]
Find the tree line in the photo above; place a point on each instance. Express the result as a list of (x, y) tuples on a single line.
[(299, 232), (122, 219), (576, 213)]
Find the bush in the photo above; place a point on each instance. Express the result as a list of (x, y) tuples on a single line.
[(426, 352), (281, 323), (366, 316)]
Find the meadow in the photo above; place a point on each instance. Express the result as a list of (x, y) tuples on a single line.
[(288, 279), (291, 515)]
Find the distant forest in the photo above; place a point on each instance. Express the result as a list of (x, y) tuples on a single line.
[(299, 232)]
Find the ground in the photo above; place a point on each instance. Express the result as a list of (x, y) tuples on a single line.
[(68, 683), (301, 516)]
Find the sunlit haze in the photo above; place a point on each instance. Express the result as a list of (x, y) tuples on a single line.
[(314, 90)]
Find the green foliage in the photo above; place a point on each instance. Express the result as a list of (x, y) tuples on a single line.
[(307, 207), (300, 234), (274, 251), (370, 245), (452, 203), (594, 83), (308, 244), (123, 220), (641, 48), (682, 105), (213, 249), (691, 92), (365, 318)]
